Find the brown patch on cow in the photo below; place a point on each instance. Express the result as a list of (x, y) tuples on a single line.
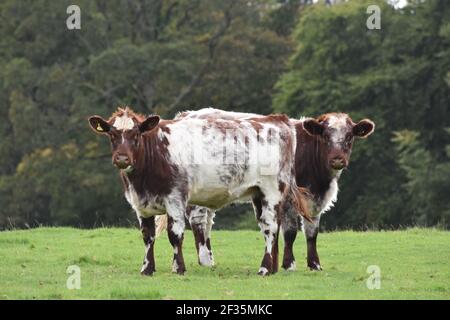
[(198, 235), (276, 117), (275, 251), (281, 186), (267, 262), (165, 141), (152, 174), (256, 125), (288, 257), (164, 128), (208, 244), (312, 255), (258, 202), (311, 163)]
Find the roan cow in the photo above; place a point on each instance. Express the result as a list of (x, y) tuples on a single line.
[(167, 164), (323, 150)]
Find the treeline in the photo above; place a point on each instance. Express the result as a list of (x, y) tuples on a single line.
[(163, 56)]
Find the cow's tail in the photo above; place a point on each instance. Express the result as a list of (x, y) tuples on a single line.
[(160, 224), (300, 198)]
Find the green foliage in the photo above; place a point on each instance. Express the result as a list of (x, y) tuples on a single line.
[(427, 179), (158, 56), (163, 56), (413, 265), (395, 76)]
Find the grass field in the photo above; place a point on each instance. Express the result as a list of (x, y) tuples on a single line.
[(414, 264)]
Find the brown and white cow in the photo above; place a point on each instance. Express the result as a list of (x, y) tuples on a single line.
[(323, 150), (167, 164)]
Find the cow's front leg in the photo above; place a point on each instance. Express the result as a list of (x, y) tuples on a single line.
[(201, 226), (148, 234), (311, 230), (289, 225), (175, 230), (267, 221)]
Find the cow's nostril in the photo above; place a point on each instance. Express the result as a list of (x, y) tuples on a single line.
[(121, 158)]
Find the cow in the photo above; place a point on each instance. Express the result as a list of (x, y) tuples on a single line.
[(324, 145), (167, 164)]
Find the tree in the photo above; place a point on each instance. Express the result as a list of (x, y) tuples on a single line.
[(395, 77)]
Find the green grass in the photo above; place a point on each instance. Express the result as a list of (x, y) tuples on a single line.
[(414, 264)]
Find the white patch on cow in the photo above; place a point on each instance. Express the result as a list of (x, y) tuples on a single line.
[(178, 229), (292, 267), (209, 223), (204, 256), (176, 208), (338, 124), (175, 266), (310, 228), (136, 203), (263, 271), (146, 262), (330, 196), (124, 122)]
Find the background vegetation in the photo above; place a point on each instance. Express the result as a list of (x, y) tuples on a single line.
[(163, 56)]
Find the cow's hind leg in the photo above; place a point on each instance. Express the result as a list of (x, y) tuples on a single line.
[(198, 219), (266, 213), (311, 229), (209, 223), (289, 226), (148, 234)]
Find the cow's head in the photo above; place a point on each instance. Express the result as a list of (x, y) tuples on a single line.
[(337, 132), (125, 130)]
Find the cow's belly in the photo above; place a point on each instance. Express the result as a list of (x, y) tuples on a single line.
[(219, 186), (216, 198)]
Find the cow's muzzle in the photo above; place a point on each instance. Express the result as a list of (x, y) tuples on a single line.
[(122, 161), (338, 163)]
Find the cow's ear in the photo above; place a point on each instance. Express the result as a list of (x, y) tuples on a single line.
[(313, 127), (99, 125), (364, 128), (149, 123)]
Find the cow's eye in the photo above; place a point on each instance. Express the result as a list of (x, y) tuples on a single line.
[(114, 139), (348, 138)]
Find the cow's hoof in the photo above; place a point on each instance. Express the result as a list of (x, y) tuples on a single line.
[(263, 271), (180, 272), (178, 269), (148, 273), (314, 266), (205, 258), (290, 267)]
